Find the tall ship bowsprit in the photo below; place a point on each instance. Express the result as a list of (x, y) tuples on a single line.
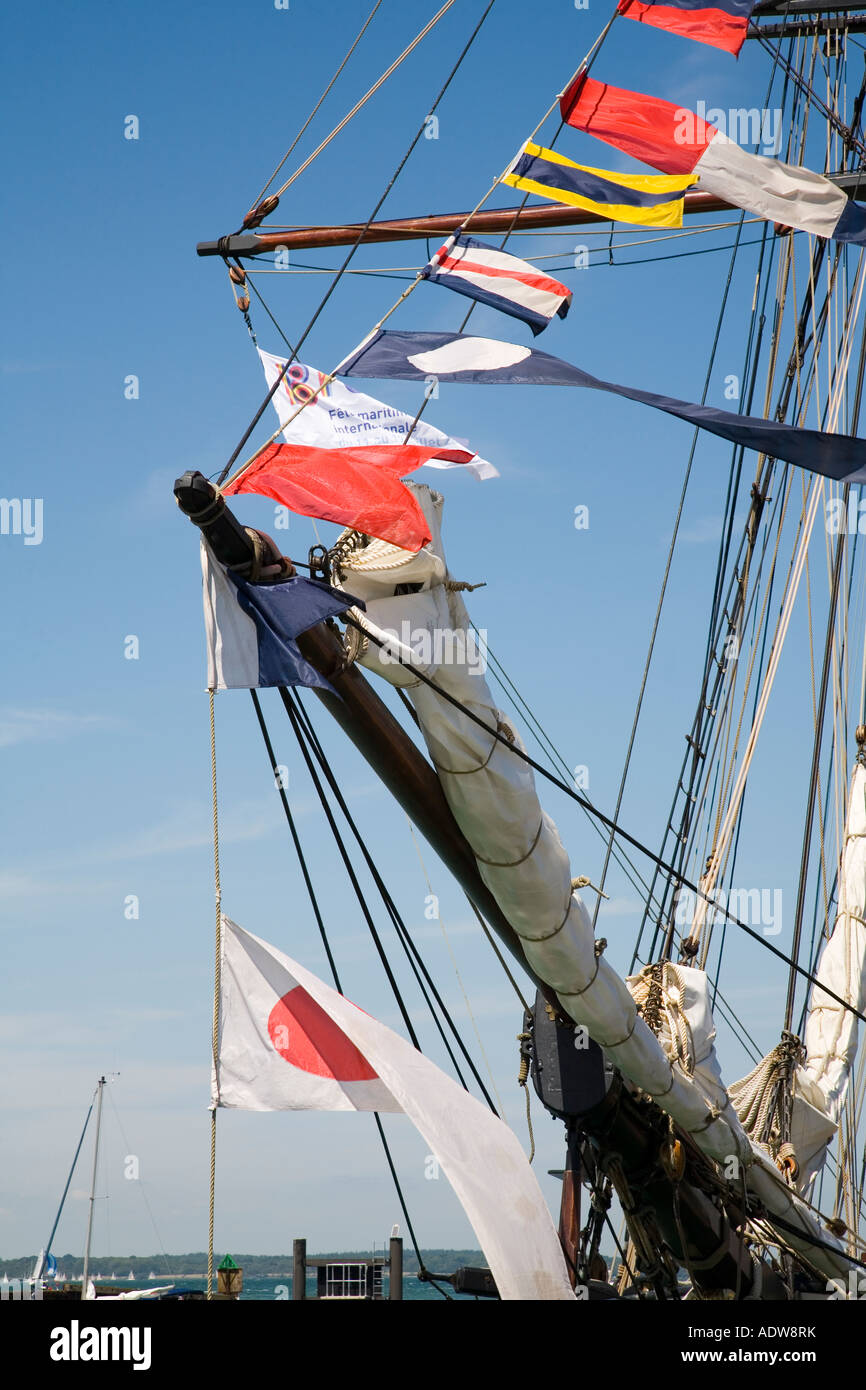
[(703, 1184)]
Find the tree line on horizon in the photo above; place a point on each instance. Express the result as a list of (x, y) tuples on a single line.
[(254, 1266)]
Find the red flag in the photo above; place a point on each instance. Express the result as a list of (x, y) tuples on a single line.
[(359, 487), (666, 136), (721, 23)]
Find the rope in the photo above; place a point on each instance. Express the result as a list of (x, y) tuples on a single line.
[(585, 65), (296, 840), (548, 748), (689, 822), (423, 1272), (456, 969), (525, 1040), (499, 956), (352, 875), (361, 34), (793, 370), (366, 97), (216, 992), (724, 836)]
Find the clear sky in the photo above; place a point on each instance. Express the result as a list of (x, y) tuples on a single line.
[(105, 760)]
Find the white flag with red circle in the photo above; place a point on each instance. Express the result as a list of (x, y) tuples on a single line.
[(288, 1041)]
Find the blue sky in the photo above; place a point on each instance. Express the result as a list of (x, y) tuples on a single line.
[(106, 760)]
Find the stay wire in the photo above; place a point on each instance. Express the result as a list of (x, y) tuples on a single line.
[(311, 892), (403, 935), (318, 104), (260, 297), (422, 1268), (362, 902), (371, 91), (802, 87), (141, 1185), (695, 774), (360, 895)]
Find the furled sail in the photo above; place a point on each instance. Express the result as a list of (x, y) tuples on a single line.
[(831, 1031), (414, 608), (819, 1081)]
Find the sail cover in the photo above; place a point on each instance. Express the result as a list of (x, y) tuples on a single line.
[(288, 1041)]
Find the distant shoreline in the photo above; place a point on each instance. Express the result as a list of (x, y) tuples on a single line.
[(194, 1265)]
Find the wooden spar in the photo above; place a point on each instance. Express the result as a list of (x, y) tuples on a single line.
[(491, 220), (417, 228), (371, 726)]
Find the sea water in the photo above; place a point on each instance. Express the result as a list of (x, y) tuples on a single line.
[(279, 1288)]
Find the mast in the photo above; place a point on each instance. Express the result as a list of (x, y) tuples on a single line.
[(99, 1088), (44, 1253)]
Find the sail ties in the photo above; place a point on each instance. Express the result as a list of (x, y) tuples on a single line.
[(764, 1102)]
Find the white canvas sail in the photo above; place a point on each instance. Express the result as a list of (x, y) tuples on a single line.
[(522, 859), (831, 1034)]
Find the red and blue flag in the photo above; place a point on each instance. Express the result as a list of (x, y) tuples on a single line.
[(722, 24)]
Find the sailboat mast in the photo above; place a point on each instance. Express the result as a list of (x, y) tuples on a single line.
[(44, 1253), (99, 1089)]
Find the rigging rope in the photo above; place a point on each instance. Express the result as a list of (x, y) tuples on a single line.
[(414, 838), (366, 97), (666, 575), (360, 35), (332, 963)]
